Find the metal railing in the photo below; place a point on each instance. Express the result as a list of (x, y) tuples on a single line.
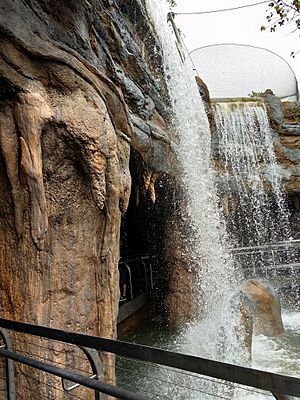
[(97, 368), (252, 378), (277, 255), (10, 376), (146, 262), (267, 247)]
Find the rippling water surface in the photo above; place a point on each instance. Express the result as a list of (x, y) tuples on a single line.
[(280, 355)]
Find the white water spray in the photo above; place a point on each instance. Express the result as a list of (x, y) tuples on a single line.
[(256, 209), (216, 334), (216, 277)]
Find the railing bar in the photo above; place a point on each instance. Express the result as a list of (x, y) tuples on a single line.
[(76, 385), (228, 384), (192, 375), (10, 370), (251, 253), (53, 361), (277, 266), (224, 371), (176, 384), (151, 276), (145, 272), (212, 380), (130, 280), (84, 381), (268, 245)]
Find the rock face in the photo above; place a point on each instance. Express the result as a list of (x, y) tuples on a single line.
[(79, 85), (259, 312), (285, 121), (181, 299), (285, 118), (263, 305)]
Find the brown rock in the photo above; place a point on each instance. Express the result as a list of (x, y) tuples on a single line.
[(181, 302), (65, 140), (31, 113), (291, 142), (264, 306)]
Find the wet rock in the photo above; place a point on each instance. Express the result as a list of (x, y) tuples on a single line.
[(141, 139), (287, 147), (203, 90), (291, 129), (262, 302), (258, 312), (152, 143), (291, 112), (274, 109), (133, 94), (244, 325)]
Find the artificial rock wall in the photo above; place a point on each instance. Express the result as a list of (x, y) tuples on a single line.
[(80, 85), (285, 121)]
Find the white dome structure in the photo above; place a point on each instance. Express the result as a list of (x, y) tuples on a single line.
[(236, 70)]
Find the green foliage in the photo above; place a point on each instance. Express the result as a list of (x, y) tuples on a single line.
[(282, 13), (172, 3), (255, 94)]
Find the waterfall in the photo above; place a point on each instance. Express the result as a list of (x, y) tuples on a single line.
[(249, 182), (216, 333), (216, 277), (252, 187)]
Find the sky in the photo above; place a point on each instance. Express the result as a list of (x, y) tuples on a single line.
[(239, 26)]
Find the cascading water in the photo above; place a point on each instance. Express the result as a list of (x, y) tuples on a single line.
[(216, 277), (250, 184), (256, 210), (216, 334)]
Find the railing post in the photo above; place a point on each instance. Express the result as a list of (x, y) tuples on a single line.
[(10, 371), (146, 278), (97, 368), (96, 365), (151, 275), (130, 280)]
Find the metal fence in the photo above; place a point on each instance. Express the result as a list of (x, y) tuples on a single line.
[(140, 274), (182, 373), (278, 256)]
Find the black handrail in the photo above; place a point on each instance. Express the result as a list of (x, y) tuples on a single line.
[(71, 376), (10, 375), (233, 373)]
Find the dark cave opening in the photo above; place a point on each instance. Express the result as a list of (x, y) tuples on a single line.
[(143, 267)]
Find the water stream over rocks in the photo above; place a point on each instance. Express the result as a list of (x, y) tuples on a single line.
[(215, 334), (216, 277), (255, 205)]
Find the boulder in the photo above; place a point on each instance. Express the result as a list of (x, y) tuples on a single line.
[(262, 301), (274, 109)]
